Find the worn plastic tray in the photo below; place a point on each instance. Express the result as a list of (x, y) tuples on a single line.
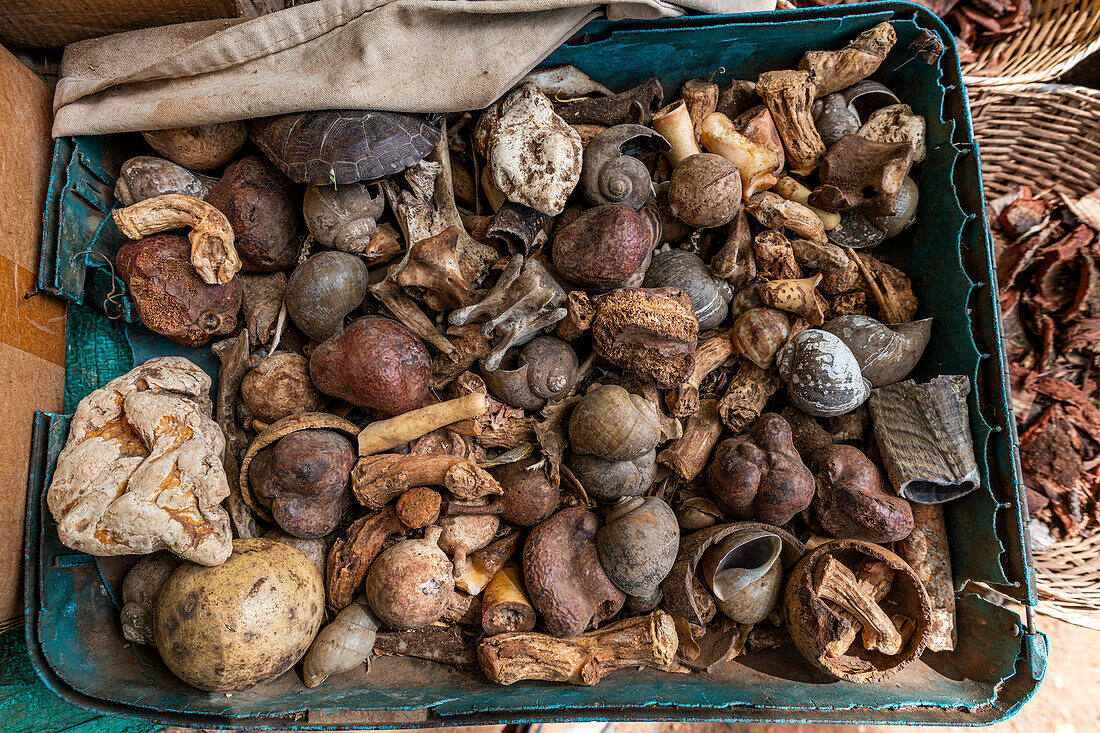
[(72, 599)]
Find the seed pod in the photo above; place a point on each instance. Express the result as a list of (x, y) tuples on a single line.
[(705, 191), (410, 584)]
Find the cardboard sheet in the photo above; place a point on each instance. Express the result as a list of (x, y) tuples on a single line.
[(32, 330)]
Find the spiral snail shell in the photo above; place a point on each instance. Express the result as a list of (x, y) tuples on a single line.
[(822, 374), (638, 544), (677, 268), (611, 176), (613, 424), (323, 290)]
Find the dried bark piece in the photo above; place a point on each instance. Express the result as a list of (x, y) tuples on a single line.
[(774, 256), (687, 455), (635, 105), (644, 641), (748, 392), (445, 644), (891, 288), (579, 311), (233, 363), (789, 95), (142, 468), (378, 479), (926, 550), (469, 345), (835, 70), (923, 436), (261, 299), (351, 555), (683, 400), (212, 251)]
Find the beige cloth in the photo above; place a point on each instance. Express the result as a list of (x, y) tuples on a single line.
[(399, 55)]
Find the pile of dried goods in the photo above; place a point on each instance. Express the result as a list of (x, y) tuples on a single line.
[(1049, 286), (581, 382)]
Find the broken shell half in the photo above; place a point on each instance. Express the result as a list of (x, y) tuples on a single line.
[(886, 354), (745, 574)]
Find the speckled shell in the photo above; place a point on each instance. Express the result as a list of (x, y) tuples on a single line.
[(822, 375)]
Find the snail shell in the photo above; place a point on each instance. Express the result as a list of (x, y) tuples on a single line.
[(546, 369), (904, 212), (613, 424), (342, 217), (611, 177), (323, 290), (638, 544), (710, 296), (745, 573), (834, 119), (759, 334), (605, 480), (822, 375), (886, 354)]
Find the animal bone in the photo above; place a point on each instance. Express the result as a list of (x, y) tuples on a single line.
[(525, 300), (644, 641)]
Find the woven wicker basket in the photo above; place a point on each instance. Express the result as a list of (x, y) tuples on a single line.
[(1044, 136), (1062, 32), (1047, 137)]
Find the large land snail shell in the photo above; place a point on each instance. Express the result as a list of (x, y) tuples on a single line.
[(342, 217), (323, 290), (710, 295), (610, 174), (612, 480), (886, 354), (613, 424), (759, 334), (822, 375), (638, 544), (745, 573)]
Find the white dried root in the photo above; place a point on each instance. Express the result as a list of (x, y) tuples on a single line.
[(142, 469), (212, 251), (383, 435)]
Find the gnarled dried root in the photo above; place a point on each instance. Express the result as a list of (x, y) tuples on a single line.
[(211, 236), (644, 641), (377, 480)]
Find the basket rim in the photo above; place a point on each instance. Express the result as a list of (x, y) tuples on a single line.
[(1036, 40)]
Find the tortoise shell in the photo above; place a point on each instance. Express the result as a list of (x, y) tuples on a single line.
[(348, 145)]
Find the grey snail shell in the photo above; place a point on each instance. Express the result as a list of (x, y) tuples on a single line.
[(638, 544), (545, 369), (605, 480), (822, 374), (710, 296), (323, 290), (613, 424), (610, 176)]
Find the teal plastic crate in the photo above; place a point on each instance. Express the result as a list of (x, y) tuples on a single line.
[(72, 600)]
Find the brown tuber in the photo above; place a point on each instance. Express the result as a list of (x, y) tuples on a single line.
[(261, 206), (529, 495), (563, 574), (760, 475), (279, 386)]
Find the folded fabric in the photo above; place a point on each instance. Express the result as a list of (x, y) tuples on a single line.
[(396, 55)]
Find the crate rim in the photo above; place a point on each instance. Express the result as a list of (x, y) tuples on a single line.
[(1031, 660)]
